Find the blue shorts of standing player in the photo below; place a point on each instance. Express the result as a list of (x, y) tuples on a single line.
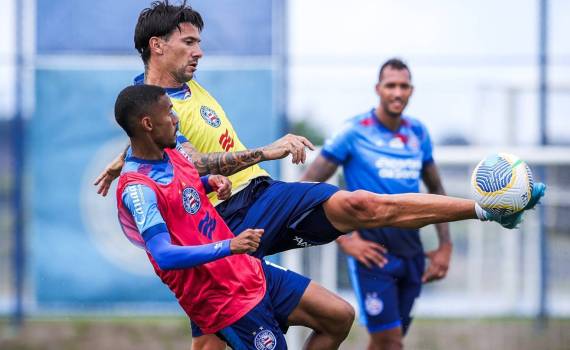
[(386, 295), (292, 216)]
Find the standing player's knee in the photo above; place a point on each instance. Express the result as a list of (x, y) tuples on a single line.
[(341, 322), (387, 340)]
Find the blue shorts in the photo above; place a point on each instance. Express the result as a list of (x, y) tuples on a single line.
[(290, 213), (284, 291), (386, 295)]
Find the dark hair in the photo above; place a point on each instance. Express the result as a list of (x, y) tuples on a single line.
[(134, 102), (396, 64), (159, 20)]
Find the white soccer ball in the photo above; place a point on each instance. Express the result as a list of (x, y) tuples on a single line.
[(502, 184)]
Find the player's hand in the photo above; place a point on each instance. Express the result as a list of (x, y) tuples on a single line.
[(246, 242), (222, 185), (111, 172), (288, 144), (366, 252), (438, 263)]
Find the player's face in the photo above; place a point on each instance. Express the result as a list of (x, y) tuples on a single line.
[(164, 122), (182, 52), (394, 89)]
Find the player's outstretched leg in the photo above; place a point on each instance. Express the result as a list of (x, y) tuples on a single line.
[(327, 314), (349, 211)]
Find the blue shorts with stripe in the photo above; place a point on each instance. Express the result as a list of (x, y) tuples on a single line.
[(386, 295), (290, 213), (284, 291)]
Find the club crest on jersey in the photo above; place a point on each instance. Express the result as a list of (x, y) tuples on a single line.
[(265, 340), (373, 304), (210, 116), (191, 200)]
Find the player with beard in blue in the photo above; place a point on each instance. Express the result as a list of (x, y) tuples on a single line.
[(386, 152)]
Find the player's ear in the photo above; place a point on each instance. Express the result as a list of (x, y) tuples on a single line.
[(155, 45), (377, 88), (146, 123)]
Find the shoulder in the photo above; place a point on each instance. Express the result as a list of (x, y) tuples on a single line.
[(356, 123), (417, 126), (196, 88)]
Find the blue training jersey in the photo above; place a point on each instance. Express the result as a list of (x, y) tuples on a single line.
[(380, 160)]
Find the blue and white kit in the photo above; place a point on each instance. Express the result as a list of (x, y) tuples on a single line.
[(380, 160)]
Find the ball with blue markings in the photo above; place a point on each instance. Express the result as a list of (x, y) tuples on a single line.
[(502, 184)]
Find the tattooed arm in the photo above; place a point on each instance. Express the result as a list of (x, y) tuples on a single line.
[(221, 163), (230, 163)]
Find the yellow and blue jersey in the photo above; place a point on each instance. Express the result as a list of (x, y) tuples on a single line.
[(205, 125)]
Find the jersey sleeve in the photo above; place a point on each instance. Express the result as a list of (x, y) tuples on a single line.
[(337, 148), (141, 202)]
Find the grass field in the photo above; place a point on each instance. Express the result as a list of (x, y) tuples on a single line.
[(172, 333)]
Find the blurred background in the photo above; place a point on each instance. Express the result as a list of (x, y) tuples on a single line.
[(489, 76)]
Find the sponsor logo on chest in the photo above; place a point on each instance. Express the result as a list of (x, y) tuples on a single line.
[(226, 141)]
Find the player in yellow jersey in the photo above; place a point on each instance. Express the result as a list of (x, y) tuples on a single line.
[(293, 215)]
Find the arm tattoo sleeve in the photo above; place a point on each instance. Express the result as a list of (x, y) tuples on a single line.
[(223, 163)]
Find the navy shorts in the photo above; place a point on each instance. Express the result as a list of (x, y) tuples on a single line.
[(386, 295), (284, 291), (290, 213)]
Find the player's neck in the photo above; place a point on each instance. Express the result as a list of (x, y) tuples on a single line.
[(143, 149), (153, 76), (391, 122)]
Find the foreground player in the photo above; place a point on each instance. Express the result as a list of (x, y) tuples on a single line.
[(163, 208), (384, 152), (293, 215)]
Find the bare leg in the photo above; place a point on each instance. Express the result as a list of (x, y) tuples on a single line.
[(327, 314), (348, 211), (208, 342), (390, 339)]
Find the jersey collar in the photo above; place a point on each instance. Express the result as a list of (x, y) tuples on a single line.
[(180, 93)]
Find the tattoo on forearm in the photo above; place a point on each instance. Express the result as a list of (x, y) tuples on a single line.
[(227, 163)]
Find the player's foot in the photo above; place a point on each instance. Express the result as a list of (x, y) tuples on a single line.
[(513, 220)]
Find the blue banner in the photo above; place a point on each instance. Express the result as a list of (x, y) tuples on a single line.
[(80, 254), (232, 27)]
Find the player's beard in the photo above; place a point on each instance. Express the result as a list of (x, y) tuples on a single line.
[(181, 76)]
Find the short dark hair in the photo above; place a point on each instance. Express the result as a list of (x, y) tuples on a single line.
[(396, 64), (134, 102), (159, 20)]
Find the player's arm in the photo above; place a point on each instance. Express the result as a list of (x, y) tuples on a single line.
[(141, 201), (111, 172), (228, 163), (441, 257), (320, 170), (171, 257)]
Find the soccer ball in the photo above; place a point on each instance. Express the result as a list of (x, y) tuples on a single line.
[(502, 184)]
